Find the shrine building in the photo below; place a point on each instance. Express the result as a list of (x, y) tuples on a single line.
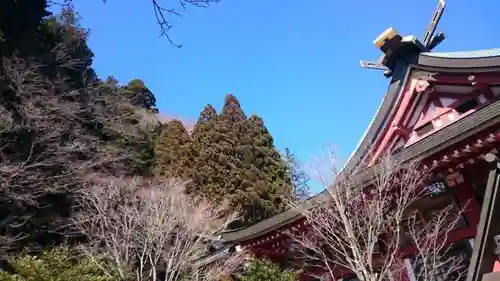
[(441, 109)]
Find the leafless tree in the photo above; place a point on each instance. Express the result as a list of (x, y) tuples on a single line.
[(34, 164), (163, 12), (163, 15), (435, 259), (51, 136), (221, 268), (151, 228), (363, 229), (301, 189), (7, 242)]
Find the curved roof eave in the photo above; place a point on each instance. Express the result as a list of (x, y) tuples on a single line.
[(454, 133), (291, 215), (443, 60), (466, 60), (472, 61), (379, 121)]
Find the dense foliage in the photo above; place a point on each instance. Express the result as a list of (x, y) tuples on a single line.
[(58, 264), (62, 128), (261, 270), (230, 157)]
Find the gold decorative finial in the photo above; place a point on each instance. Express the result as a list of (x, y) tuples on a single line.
[(385, 36)]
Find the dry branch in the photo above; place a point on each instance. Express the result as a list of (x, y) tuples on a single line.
[(434, 257), (36, 166), (163, 13), (222, 268), (51, 137), (359, 229), (153, 229)]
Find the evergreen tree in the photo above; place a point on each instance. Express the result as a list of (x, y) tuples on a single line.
[(237, 161), (144, 158), (241, 180), (140, 95), (273, 185), (140, 127), (173, 151), (232, 110), (48, 121), (57, 43), (19, 24), (61, 48), (204, 130), (65, 120), (218, 168), (206, 176), (299, 178)]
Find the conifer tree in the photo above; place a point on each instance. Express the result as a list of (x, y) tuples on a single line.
[(219, 171), (140, 95), (232, 131), (63, 34), (206, 175), (19, 23), (274, 184), (204, 128), (232, 110), (236, 161), (173, 151)]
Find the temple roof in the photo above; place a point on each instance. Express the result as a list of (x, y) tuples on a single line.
[(441, 60), (470, 61), (487, 53), (454, 133)]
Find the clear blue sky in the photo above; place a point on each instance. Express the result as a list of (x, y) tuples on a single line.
[(295, 63)]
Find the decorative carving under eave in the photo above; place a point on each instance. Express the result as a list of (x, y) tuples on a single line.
[(417, 86), (421, 86), (423, 75), (454, 179), (462, 157), (401, 132)]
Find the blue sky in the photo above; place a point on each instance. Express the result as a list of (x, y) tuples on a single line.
[(294, 63)]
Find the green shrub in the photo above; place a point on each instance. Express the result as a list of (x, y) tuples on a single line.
[(136, 84), (56, 265), (259, 270)]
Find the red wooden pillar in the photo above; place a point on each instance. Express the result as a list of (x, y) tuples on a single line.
[(483, 256), (474, 177)]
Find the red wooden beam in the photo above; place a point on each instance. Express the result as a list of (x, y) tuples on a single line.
[(467, 78), (486, 91), (457, 96), (455, 236)]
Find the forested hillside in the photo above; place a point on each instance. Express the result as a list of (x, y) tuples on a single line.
[(227, 156), (64, 131)]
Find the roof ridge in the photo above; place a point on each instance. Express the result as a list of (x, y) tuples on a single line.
[(469, 54)]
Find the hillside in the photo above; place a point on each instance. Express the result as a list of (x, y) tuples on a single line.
[(64, 130)]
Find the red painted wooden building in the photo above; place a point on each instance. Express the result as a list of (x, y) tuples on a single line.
[(441, 108)]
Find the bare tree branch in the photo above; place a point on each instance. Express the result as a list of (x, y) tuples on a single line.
[(433, 255), (163, 13), (153, 228), (222, 268), (359, 229), (51, 137)]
